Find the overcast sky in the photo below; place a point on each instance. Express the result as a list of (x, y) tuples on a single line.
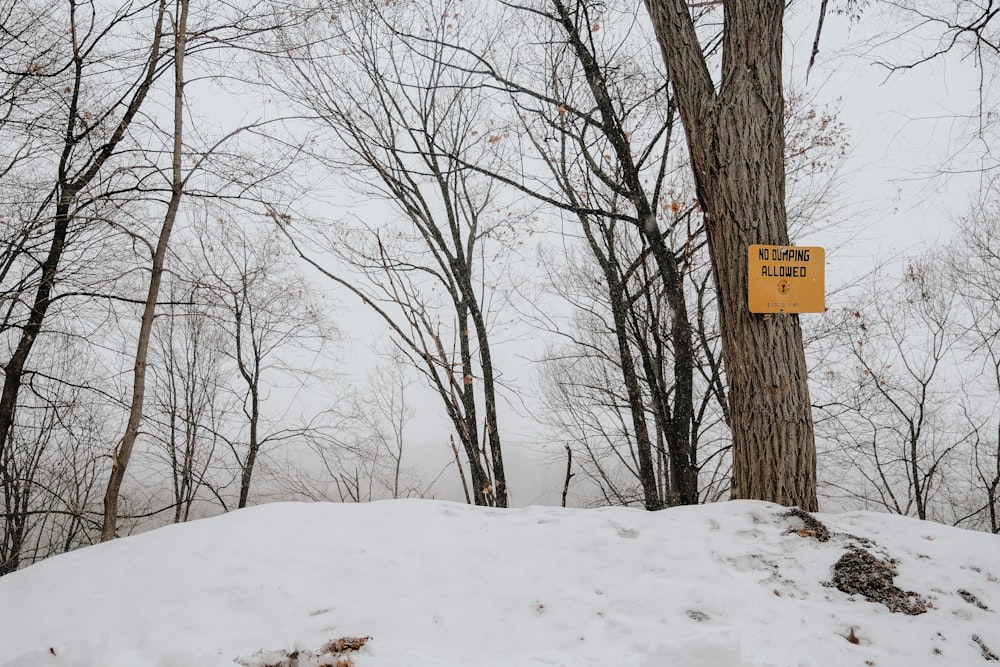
[(913, 164)]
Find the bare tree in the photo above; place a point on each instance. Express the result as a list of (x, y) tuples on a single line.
[(55, 461), (398, 118), (83, 112), (364, 460), (226, 30), (590, 135), (386, 415), (910, 36), (602, 127), (734, 125), (976, 271), (629, 278), (189, 406), (587, 403), (895, 406), (266, 312), (123, 452), (598, 126), (84, 168)]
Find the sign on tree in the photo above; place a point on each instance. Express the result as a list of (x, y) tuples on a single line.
[(786, 279)]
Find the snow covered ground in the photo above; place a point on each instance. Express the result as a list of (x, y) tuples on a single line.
[(445, 585)]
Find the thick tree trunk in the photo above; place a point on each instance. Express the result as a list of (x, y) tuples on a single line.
[(736, 140)]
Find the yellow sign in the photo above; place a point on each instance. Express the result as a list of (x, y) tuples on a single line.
[(786, 279)]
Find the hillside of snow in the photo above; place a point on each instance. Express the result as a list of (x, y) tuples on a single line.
[(426, 583)]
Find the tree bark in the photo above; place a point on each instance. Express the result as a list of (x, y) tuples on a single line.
[(492, 423), (736, 140)]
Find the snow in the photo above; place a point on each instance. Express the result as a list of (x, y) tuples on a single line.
[(734, 584)]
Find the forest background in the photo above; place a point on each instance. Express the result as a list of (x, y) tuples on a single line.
[(354, 250)]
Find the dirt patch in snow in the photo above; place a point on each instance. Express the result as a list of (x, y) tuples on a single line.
[(858, 571)]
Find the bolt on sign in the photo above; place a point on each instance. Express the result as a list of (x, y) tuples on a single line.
[(786, 279)]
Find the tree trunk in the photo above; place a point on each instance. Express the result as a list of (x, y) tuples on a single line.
[(124, 451), (482, 484), (736, 141), (680, 446), (617, 299), (247, 474), (492, 423), (14, 368)]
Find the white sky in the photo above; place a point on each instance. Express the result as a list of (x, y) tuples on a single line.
[(907, 177)]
